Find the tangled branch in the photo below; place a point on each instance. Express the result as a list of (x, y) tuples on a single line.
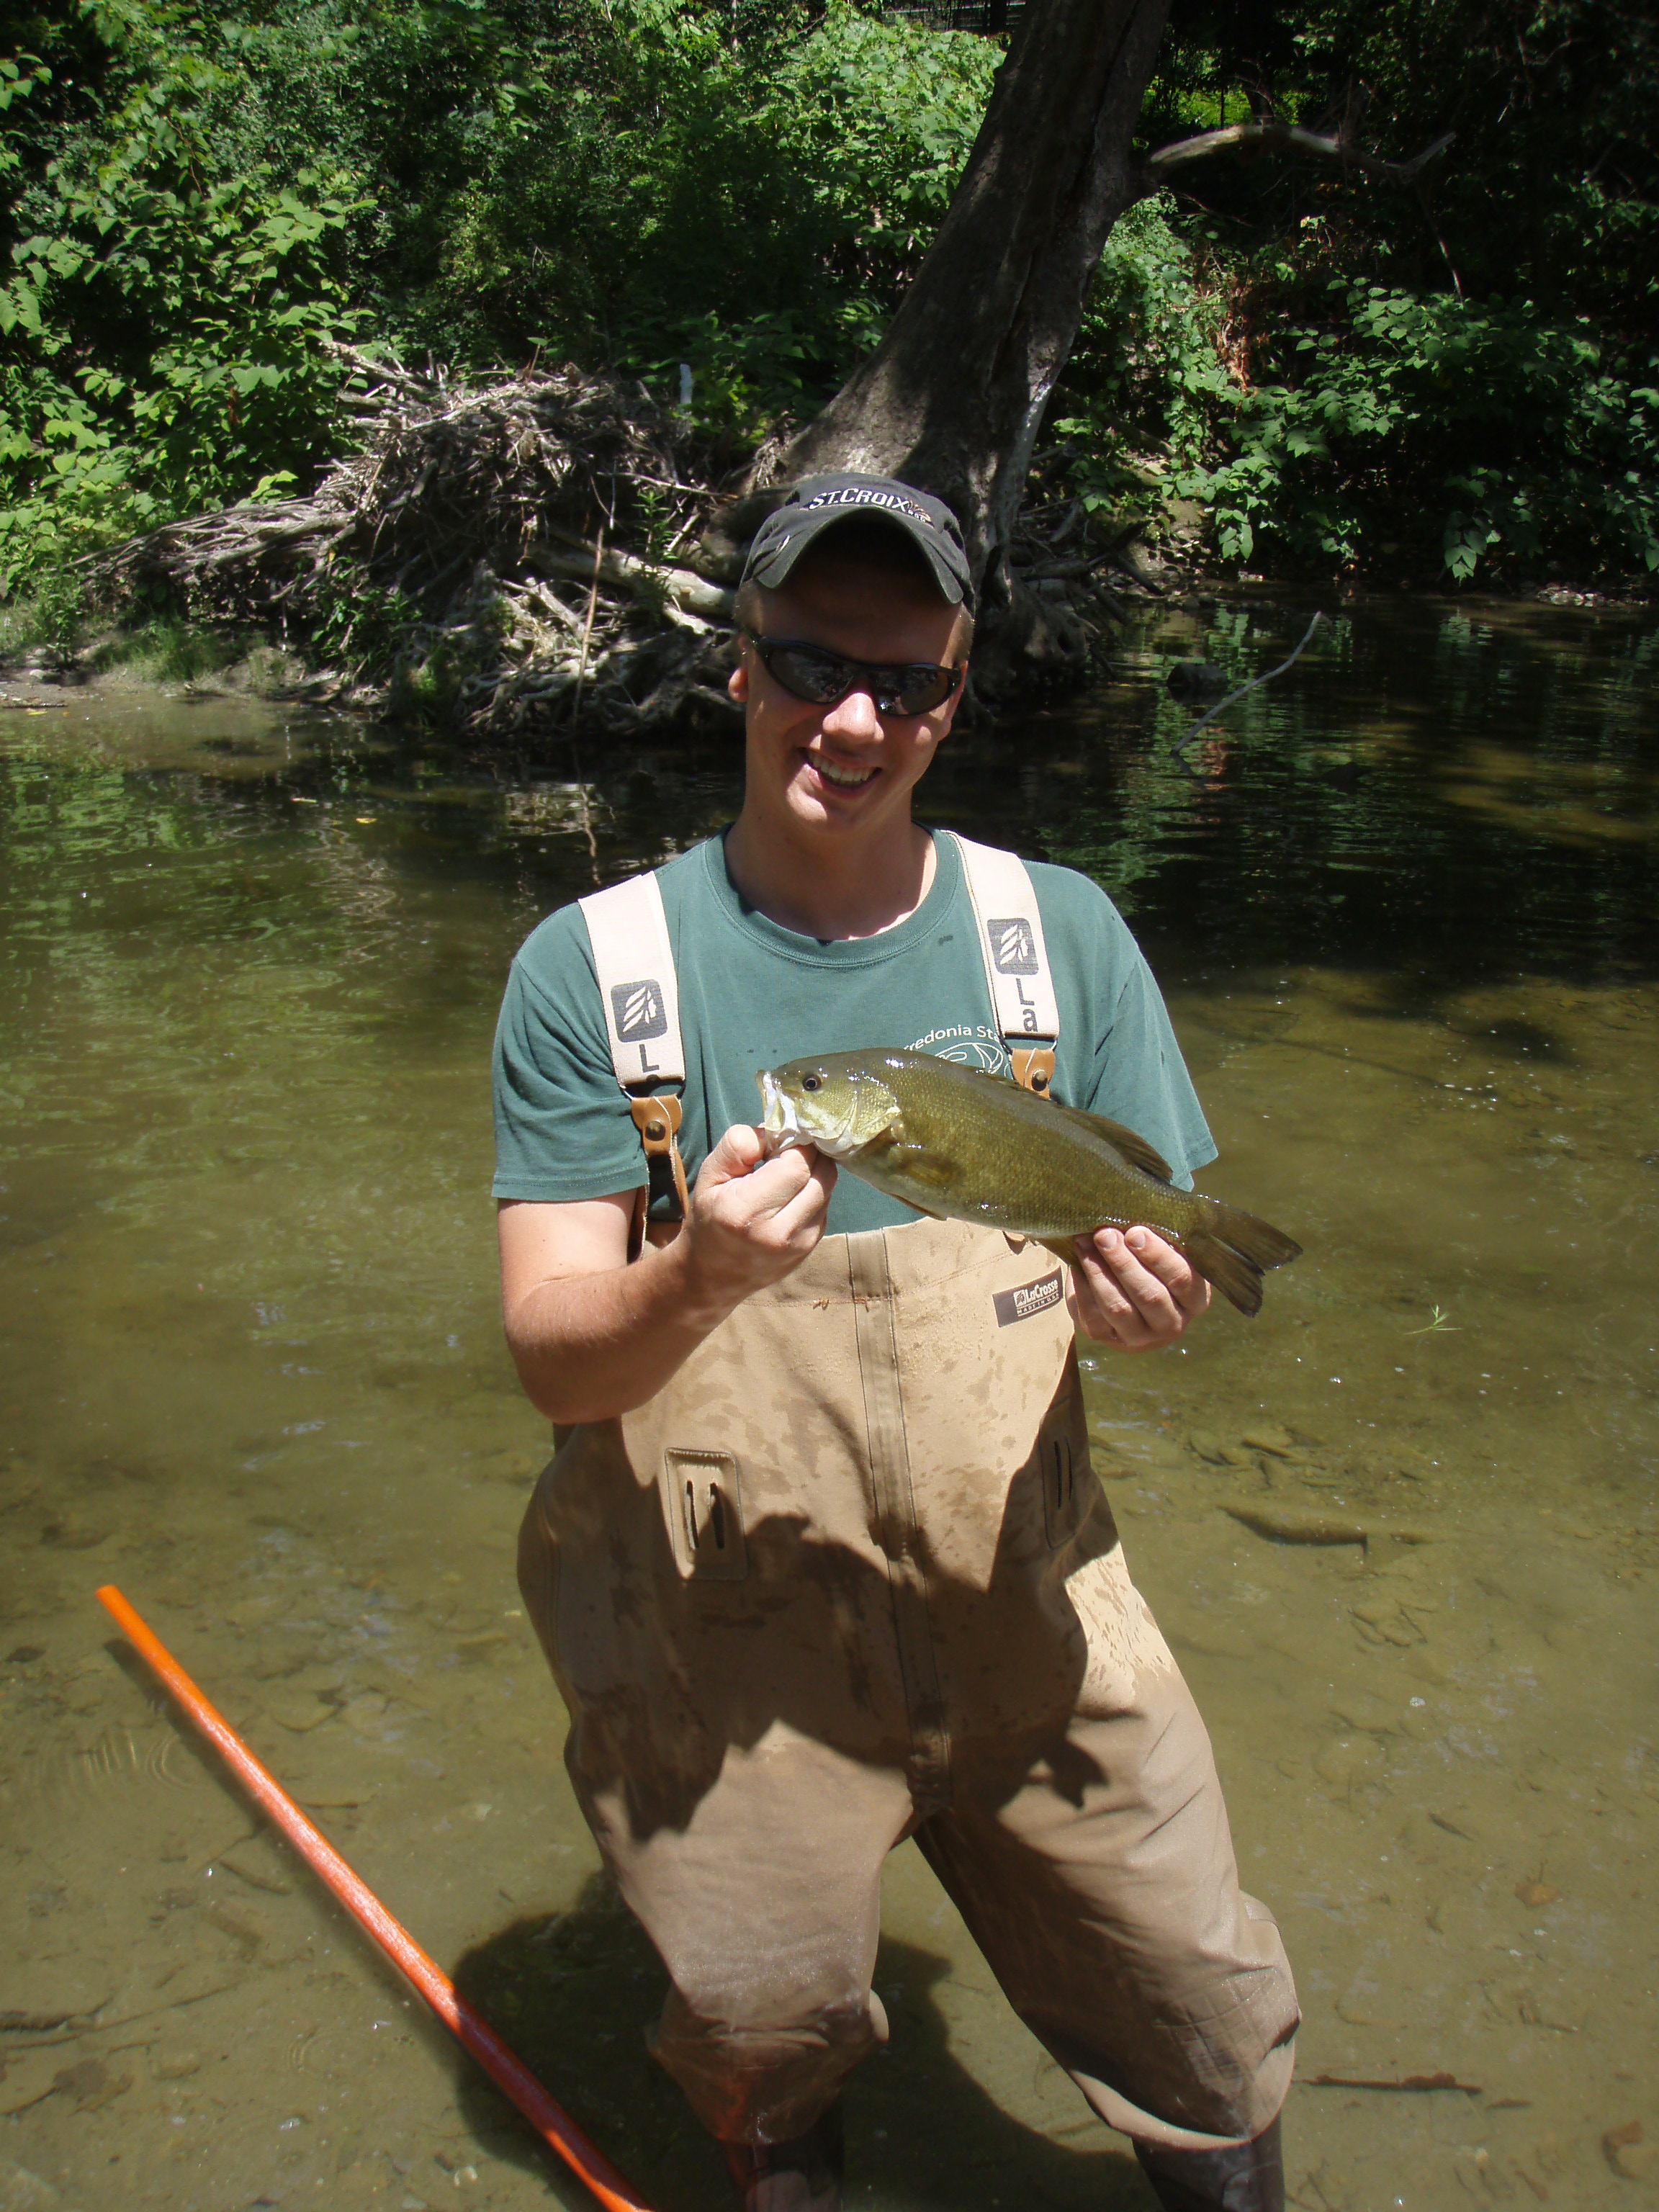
[(1289, 138), (545, 547), (448, 524)]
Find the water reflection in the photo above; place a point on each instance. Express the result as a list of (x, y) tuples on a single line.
[(250, 1368)]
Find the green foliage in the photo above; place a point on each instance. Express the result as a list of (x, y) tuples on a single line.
[(164, 649), (200, 199), (1454, 377), (1460, 434), (54, 615), (1548, 192), (205, 198), (359, 624), (751, 204), (166, 331), (1145, 378)]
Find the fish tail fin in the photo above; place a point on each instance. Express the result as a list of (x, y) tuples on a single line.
[(1233, 1249), (1262, 1245), (1237, 1279)]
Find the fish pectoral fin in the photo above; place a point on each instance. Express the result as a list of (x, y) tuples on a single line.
[(897, 1157), (1136, 1150), (932, 1171)]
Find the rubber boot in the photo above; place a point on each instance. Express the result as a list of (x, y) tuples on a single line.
[(803, 2175), (1246, 2176)]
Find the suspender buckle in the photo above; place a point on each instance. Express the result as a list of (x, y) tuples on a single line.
[(658, 1120), (1034, 1066)]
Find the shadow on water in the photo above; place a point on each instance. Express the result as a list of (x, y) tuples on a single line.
[(574, 1995), (1450, 793)]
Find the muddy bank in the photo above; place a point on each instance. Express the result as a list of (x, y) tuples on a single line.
[(165, 663)]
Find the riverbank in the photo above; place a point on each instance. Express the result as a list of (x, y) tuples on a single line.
[(165, 658), (557, 549), (203, 659)]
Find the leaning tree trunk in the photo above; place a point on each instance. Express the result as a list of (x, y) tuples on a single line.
[(953, 397)]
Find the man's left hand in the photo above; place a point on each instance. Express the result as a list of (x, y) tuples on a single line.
[(1133, 1291)]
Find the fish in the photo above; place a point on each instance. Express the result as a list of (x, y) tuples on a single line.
[(957, 1145)]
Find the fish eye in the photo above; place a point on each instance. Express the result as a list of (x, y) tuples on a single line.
[(812, 1083)]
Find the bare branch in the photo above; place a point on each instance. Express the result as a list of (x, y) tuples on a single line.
[(438, 526), (1211, 714), (1287, 138), (644, 578)]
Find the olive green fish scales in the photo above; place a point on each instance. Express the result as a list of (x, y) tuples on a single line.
[(951, 1142)]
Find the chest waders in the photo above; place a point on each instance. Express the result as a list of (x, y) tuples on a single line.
[(849, 1577)]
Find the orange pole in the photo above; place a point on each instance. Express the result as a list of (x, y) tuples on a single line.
[(509, 2073)]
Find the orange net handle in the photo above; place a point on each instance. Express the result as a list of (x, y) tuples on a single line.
[(508, 2073)]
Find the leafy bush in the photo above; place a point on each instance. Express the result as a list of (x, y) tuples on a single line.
[(205, 201), (1456, 374), (1145, 369), (1549, 191), (1464, 433), (753, 206), (167, 332), (1374, 426), (198, 200)]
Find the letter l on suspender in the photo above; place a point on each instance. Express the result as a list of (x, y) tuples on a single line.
[(1010, 944), (639, 989)]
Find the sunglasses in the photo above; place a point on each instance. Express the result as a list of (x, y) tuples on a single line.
[(813, 673)]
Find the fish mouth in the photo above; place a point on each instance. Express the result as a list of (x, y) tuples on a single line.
[(779, 1122)]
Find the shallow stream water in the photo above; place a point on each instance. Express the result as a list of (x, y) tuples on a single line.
[(251, 1369)]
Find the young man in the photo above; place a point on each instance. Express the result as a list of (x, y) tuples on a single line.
[(819, 1563)]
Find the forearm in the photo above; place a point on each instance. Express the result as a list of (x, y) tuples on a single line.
[(590, 1346)]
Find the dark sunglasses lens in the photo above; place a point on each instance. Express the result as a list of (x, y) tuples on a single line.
[(821, 678), (817, 677), (918, 690)]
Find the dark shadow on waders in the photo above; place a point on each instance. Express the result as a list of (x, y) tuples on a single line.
[(574, 1993)]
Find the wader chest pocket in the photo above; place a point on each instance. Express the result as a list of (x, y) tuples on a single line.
[(705, 1515)]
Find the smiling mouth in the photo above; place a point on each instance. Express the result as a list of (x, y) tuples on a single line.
[(844, 779)]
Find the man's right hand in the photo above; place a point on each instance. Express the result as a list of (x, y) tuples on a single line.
[(752, 1219), (594, 1337)]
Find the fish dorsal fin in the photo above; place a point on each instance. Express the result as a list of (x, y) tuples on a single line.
[(1136, 1150)]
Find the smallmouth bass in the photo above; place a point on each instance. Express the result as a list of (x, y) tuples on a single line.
[(961, 1146)]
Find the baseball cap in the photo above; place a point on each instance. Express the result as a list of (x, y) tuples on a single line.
[(818, 503)]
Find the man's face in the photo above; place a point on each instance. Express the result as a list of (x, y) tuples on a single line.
[(846, 769)]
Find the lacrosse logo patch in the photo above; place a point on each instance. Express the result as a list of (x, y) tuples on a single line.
[(639, 1010), (1013, 945)]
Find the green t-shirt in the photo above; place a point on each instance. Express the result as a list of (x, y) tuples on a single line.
[(754, 995)]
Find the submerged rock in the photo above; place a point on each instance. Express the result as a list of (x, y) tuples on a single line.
[(1283, 1524), (1197, 679)]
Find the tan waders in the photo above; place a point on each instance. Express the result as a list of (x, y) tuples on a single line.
[(850, 1577)]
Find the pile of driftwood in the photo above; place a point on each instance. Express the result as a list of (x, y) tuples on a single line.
[(548, 548), (498, 549)]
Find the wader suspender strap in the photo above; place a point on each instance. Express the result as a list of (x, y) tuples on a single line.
[(639, 992), (1016, 959)]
